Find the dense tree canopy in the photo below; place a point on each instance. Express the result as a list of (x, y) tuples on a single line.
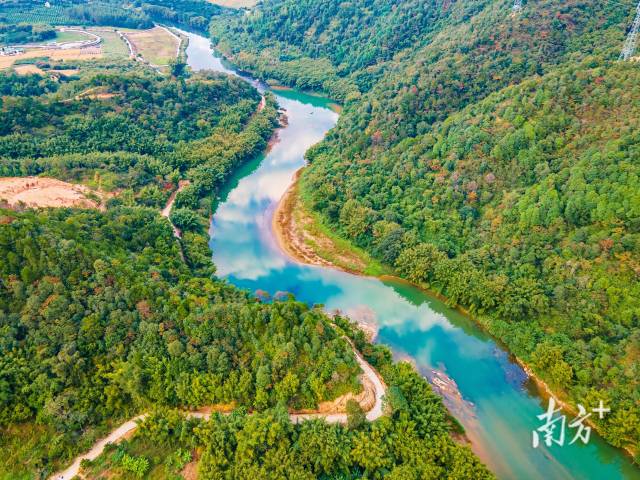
[(488, 154), (100, 318), (14, 85), (25, 33), (410, 442), (194, 14), (105, 314), (136, 136)]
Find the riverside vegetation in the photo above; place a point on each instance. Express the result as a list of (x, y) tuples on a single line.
[(105, 314), (491, 156)]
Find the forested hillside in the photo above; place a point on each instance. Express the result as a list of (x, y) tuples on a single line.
[(325, 45), (101, 318), (489, 155), (18, 14), (135, 137), (104, 314), (347, 48), (406, 444)]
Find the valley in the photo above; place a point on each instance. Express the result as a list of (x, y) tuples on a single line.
[(212, 270)]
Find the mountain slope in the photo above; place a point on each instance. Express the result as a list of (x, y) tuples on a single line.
[(105, 314), (494, 158), (524, 208)]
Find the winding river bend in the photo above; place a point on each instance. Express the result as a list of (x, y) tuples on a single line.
[(489, 393)]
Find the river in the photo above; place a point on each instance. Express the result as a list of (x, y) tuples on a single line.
[(488, 393)]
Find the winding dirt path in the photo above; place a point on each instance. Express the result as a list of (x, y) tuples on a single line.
[(166, 211), (373, 414), (133, 54), (262, 104), (119, 433), (98, 448)]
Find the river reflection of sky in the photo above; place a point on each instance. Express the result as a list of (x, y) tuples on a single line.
[(246, 213), (409, 321)]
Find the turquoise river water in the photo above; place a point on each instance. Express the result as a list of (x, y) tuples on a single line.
[(489, 393)]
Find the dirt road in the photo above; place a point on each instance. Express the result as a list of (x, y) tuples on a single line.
[(119, 433)]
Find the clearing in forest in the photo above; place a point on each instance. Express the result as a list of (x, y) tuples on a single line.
[(158, 46), (53, 54), (28, 70), (235, 3), (45, 192)]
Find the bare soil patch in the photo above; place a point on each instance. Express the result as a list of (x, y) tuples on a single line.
[(66, 73), (28, 70), (190, 471), (45, 192), (53, 54), (101, 96), (366, 398)]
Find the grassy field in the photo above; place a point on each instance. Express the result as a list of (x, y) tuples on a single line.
[(112, 45), (67, 37), (156, 46), (22, 447), (154, 461), (235, 3), (64, 37)]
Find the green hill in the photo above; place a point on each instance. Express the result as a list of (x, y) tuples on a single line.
[(104, 314), (489, 154)]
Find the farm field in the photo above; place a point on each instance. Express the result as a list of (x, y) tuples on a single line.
[(65, 73), (157, 46), (28, 70), (235, 3), (112, 45), (53, 54), (54, 15)]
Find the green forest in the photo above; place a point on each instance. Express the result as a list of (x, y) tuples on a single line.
[(489, 155), (140, 139), (101, 318), (407, 443), (105, 315), (194, 14), (10, 33)]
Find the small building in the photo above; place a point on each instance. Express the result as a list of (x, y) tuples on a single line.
[(10, 51)]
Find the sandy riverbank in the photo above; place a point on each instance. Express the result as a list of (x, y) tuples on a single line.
[(293, 230)]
